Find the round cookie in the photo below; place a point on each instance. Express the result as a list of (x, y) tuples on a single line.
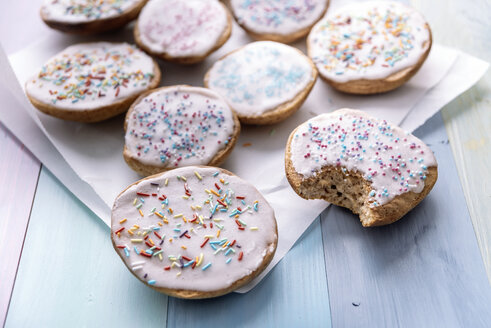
[(281, 21), (184, 32), (350, 159), (369, 47), (263, 82), (89, 16), (91, 82), (178, 126), (194, 232)]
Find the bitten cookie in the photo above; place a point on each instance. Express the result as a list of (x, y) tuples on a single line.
[(350, 159), (185, 32), (178, 126), (194, 232), (91, 82), (264, 82), (282, 21), (369, 47), (89, 16)]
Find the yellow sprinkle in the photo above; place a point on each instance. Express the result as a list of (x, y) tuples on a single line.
[(184, 178), (200, 260), (184, 219), (139, 233), (201, 219), (184, 247), (136, 240), (171, 210), (136, 226), (159, 215), (218, 233), (119, 234), (160, 223), (151, 241), (236, 216), (193, 208), (160, 256), (217, 220), (166, 182), (170, 240), (209, 236), (207, 191), (185, 197), (141, 213), (178, 274), (163, 205), (145, 233), (134, 202), (173, 264), (122, 221), (172, 259), (207, 201), (254, 228), (166, 222), (215, 193), (130, 232), (197, 175), (198, 207), (178, 215), (222, 181), (226, 244)]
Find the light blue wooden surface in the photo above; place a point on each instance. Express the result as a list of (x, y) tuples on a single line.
[(422, 271), (69, 275)]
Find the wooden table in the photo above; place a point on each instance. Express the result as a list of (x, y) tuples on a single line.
[(59, 269)]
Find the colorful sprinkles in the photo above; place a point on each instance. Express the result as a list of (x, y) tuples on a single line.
[(179, 126), (92, 75), (369, 40), (87, 10), (393, 161), (209, 237)]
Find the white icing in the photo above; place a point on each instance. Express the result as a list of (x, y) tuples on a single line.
[(83, 11), (260, 76), (253, 243), (278, 17), (182, 28), (394, 161), (179, 126), (369, 40), (92, 75)]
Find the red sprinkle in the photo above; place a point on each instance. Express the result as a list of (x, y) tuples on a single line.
[(241, 228), (186, 258), (118, 231), (148, 244), (194, 264), (167, 268), (232, 243), (218, 187), (145, 254), (218, 200), (187, 236), (238, 223), (241, 255), (142, 194), (121, 246), (240, 197), (204, 243), (156, 234)]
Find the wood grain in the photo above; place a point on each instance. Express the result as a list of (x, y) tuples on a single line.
[(69, 274), (422, 271), (468, 118), (19, 171), (294, 294)]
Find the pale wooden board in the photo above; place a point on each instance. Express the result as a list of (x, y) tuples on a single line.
[(466, 25), (422, 271), (19, 172), (69, 274), (294, 294)]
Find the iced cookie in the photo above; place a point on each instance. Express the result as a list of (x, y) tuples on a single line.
[(369, 47), (178, 126), (194, 232), (282, 21), (350, 159), (91, 82), (89, 16), (185, 32), (264, 82)]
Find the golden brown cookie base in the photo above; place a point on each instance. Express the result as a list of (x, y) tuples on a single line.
[(146, 169), (283, 38), (96, 114), (351, 190), (368, 87), (186, 60), (99, 25), (281, 112), (195, 294)]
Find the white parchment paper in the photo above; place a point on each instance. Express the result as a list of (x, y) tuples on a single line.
[(87, 158)]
